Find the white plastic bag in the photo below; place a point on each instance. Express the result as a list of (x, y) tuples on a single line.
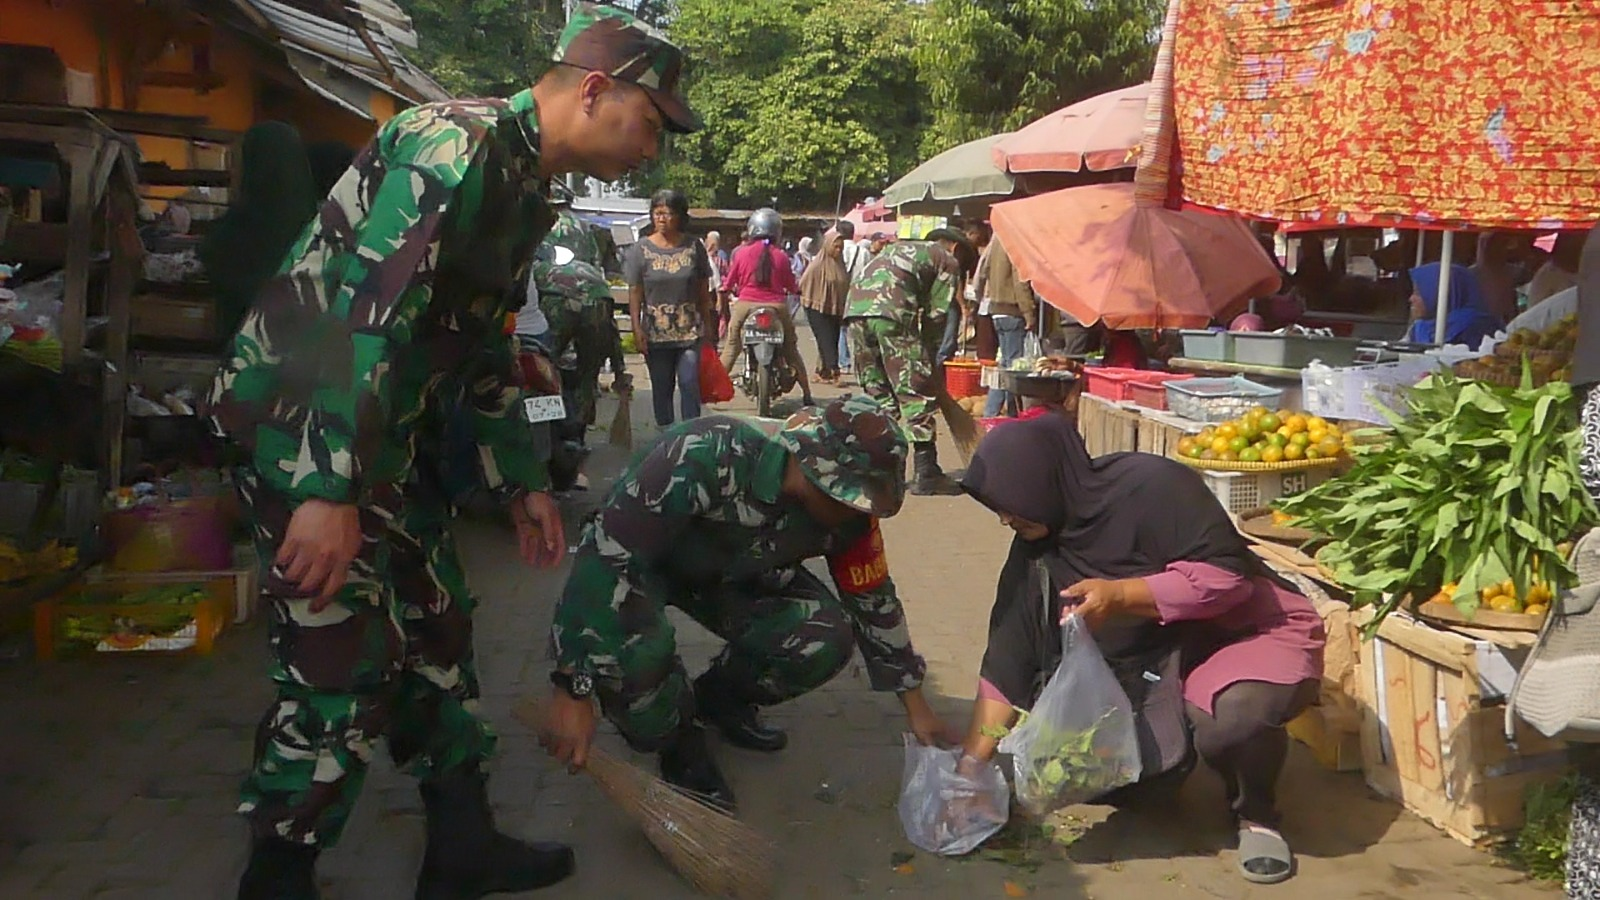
[(944, 811), (1079, 740)]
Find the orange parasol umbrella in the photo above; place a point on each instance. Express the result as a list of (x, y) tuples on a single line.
[(1097, 134), (1097, 255)]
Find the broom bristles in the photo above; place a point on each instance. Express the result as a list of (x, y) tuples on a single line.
[(711, 849), (963, 428), (622, 422)]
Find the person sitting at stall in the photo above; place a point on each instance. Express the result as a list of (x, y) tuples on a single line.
[(1467, 318), (1148, 583)]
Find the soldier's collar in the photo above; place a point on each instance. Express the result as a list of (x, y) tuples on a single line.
[(525, 114)]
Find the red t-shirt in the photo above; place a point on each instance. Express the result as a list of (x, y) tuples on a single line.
[(741, 278)]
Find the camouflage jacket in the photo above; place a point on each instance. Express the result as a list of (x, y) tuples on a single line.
[(573, 296), (390, 302), (576, 235), (909, 282), (703, 507)]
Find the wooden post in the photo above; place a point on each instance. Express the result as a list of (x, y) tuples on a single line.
[(80, 240)]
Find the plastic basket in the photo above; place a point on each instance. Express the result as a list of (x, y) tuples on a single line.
[(964, 378), (1212, 346), (1116, 385), (1150, 395), (1218, 399), (1362, 393), (1243, 491), (988, 425), (1292, 351)]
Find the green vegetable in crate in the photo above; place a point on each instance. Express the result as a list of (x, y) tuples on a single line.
[(1480, 486)]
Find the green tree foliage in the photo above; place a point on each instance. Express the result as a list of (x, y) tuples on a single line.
[(995, 65), (484, 48), (794, 93)]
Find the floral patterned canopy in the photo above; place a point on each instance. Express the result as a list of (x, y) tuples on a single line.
[(1436, 114)]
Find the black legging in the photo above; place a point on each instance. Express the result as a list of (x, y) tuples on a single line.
[(1243, 739), (825, 329)]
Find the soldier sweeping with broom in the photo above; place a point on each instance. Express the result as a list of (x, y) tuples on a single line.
[(390, 300), (716, 519), (895, 317)]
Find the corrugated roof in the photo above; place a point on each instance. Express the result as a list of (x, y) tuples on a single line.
[(311, 27)]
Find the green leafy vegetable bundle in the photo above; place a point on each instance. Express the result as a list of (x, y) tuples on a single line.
[(1478, 487)]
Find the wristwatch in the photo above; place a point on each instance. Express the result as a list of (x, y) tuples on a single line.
[(578, 685)]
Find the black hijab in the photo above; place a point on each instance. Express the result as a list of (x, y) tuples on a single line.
[(1124, 515)]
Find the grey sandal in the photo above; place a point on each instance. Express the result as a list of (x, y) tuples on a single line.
[(1264, 856)]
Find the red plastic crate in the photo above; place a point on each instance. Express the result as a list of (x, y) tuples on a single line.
[(963, 378), (1153, 394), (1117, 385), (988, 425)]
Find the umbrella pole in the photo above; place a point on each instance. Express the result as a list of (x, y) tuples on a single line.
[(1422, 244), (1441, 309)]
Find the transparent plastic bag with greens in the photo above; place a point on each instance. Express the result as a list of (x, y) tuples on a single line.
[(1079, 741), (949, 805)]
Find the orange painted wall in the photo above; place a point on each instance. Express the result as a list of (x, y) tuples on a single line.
[(67, 26)]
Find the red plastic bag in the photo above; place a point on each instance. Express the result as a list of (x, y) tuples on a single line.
[(715, 385)]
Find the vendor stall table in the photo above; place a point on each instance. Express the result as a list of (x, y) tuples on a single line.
[(1432, 725), (1159, 432), (1287, 379)]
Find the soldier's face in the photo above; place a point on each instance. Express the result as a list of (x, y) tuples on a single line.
[(624, 130)]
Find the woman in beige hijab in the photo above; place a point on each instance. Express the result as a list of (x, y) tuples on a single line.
[(823, 287)]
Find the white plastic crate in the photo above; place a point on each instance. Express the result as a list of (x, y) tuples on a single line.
[(1358, 392), (1241, 491), (989, 377)]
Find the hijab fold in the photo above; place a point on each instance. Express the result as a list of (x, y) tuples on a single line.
[(1123, 515), (825, 283), (1467, 317)]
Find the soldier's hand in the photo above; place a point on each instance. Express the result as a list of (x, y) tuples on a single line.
[(568, 729), (321, 542), (541, 536)]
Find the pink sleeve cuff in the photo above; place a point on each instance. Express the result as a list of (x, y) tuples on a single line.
[(987, 691)]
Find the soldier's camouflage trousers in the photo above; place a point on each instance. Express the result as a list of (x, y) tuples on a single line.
[(784, 639), (895, 366), (390, 657), (593, 337)]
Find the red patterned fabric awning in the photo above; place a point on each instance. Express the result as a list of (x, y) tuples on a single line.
[(1468, 113)]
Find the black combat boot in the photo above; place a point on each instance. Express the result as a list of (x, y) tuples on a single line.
[(927, 479), (280, 870), (467, 858), (722, 698), (686, 763)]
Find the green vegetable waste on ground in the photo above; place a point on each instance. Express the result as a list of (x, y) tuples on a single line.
[(1541, 846), (170, 609), (1478, 487)]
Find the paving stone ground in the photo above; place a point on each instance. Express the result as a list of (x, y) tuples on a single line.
[(118, 776)]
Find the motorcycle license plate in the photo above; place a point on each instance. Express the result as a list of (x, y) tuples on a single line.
[(549, 408), (762, 337)]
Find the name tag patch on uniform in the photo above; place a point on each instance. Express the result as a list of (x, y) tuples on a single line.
[(862, 566), (549, 408)]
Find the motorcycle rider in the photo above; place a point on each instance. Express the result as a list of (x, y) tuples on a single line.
[(759, 275)]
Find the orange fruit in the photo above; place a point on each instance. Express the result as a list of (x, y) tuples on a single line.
[(1330, 447), (1272, 454), (1300, 439), (1316, 423), (1296, 424), (1185, 444), (1270, 423), (1228, 430), (1228, 456), (1219, 444), (1238, 443), (1294, 452)]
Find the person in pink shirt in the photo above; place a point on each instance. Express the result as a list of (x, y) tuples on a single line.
[(760, 275), (1214, 651)]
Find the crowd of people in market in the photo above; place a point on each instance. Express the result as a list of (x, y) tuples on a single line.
[(378, 350)]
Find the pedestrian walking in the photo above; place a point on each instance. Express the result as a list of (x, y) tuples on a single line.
[(824, 288), (669, 300), (896, 316), (389, 307)]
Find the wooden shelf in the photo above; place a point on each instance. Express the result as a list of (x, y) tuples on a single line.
[(162, 175), (36, 241)]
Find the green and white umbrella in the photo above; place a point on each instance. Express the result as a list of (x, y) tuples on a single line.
[(960, 173)]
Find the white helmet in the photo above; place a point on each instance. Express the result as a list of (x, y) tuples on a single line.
[(765, 223)]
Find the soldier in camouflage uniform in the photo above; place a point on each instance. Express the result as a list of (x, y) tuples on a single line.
[(895, 316), (576, 300), (390, 302), (716, 519)]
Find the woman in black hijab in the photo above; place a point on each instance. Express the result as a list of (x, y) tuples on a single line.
[(1140, 549)]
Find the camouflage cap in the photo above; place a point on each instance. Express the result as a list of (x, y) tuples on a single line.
[(852, 451), (606, 39)]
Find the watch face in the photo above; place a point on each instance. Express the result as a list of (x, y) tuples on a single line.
[(582, 685)]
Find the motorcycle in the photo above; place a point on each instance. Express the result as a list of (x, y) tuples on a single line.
[(767, 373), (551, 409)]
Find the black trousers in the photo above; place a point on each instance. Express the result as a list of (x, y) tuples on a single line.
[(825, 329), (1243, 739)]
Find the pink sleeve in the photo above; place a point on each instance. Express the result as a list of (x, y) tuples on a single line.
[(987, 691), (1189, 591), (735, 272), (786, 280)]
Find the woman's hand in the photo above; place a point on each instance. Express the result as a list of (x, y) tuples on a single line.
[(1093, 600)]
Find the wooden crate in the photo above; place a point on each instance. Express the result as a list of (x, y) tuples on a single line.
[(1107, 427), (1332, 729), (1159, 432), (168, 317), (209, 617), (243, 578), (1432, 723)]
